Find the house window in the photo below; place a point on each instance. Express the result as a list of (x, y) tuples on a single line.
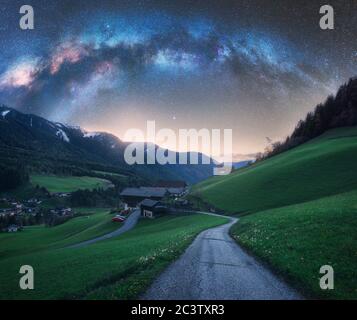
[(148, 213)]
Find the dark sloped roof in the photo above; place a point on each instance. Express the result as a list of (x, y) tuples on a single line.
[(133, 192), (149, 203), (176, 190), (153, 191)]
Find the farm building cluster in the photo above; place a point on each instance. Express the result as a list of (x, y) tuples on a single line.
[(154, 200)]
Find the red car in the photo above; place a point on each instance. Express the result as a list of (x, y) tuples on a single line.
[(118, 218)]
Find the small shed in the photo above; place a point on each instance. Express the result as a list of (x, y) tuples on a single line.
[(150, 208)]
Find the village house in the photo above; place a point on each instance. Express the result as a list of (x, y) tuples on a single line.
[(31, 210), (8, 212), (61, 194), (66, 211), (133, 196), (176, 192), (19, 206), (62, 211), (33, 202), (151, 208)]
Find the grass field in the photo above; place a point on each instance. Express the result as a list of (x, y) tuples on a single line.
[(297, 240), (325, 166), (68, 183), (94, 222), (298, 211), (117, 268)]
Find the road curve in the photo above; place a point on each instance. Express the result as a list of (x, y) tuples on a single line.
[(215, 267), (128, 224)]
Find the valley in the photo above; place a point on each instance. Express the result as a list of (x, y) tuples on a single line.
[(262, 232), (187, 156), (118, 268)]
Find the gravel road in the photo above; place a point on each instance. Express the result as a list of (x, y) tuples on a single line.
[(129, 224), (215, 267)]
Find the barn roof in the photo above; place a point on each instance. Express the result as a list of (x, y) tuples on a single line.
[(149, 203), (176, 190), (154, 191), (133, 192)]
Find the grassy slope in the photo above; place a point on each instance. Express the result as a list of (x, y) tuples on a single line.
[(37, 238), (322, 167), (311, 192), (298, 239), (68, 184), (115, 268)]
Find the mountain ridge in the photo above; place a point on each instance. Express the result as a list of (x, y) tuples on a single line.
[(31, 139), (339, 110)]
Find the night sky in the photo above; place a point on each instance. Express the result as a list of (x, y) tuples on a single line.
[(253, 66)]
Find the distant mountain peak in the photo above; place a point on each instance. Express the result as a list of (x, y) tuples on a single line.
[(91, 134), (4, 113), (60, 133), (49, 146)]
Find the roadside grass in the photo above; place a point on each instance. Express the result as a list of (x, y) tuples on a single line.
[(297, 240), (68, 183), (322, 167), (298, 211), (119, 268), (94, 222)]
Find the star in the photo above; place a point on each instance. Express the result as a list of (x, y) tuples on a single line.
[(249, 66)]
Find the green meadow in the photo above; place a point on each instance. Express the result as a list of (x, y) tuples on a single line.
[(298, 211), (297, 240), (118, 268), (322, 167), (68, 183), (92, 223)]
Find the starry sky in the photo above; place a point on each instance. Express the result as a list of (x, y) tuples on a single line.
[(253, 66)]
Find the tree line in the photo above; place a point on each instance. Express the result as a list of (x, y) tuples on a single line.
[(12, 177), (337, 111)]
